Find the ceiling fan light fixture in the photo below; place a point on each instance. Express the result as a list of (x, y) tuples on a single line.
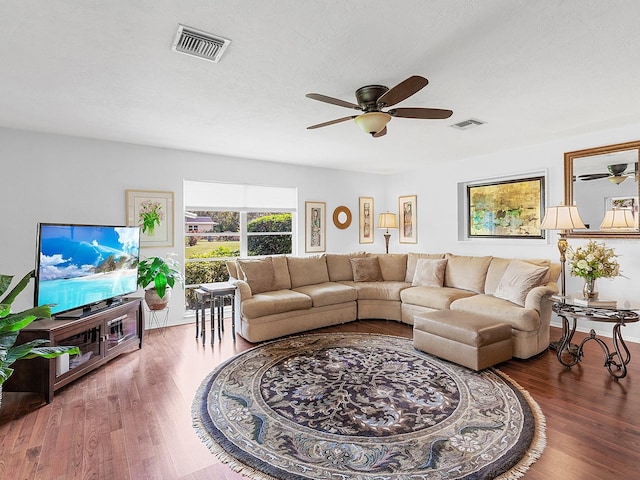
[(372, 122), (617, 179)]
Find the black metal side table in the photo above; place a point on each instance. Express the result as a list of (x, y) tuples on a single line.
[(215, 294), (570, 311)]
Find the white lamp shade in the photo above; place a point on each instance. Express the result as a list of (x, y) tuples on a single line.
[(387, 220), (562, 217), (617, 179), (618, 219), (372, 122)]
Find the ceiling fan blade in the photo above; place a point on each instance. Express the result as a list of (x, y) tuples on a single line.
[(331, 122), (425, 113), (380, 133), (332, 101), (593, 176), (402, 91)]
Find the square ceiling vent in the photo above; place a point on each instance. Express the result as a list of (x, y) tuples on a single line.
[(197, 43), (466, 124)]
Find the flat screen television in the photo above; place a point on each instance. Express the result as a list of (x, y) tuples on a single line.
[(79, 267)]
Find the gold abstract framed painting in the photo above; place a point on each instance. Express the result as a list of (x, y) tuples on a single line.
[(366, 220), (407, 213), (315, 226), (153, 212), (506, 209)]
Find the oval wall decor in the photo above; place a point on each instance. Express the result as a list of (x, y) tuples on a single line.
[(342, 217)]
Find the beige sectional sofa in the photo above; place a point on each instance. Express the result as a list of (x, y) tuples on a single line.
[(283, 295)]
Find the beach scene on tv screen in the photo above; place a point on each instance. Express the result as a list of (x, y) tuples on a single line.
[(80, 265)]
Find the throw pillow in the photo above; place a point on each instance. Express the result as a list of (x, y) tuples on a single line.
[(258, 274), (518, 279), (429, 272), (366, 269)]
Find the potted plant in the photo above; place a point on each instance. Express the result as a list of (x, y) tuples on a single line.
[(12, 323), (163, 273)]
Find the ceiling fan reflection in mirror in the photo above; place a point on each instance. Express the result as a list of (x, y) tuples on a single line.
[(372, 99), (616, 173)]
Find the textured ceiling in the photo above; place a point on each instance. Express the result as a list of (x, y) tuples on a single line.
[(533, 70)]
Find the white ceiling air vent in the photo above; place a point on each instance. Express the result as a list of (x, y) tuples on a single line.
[(467, 124), (199, 44)]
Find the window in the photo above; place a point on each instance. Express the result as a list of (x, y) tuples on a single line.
[(223, 221)]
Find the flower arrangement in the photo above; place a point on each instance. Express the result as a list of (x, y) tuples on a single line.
[(594, 260), (150, 216)]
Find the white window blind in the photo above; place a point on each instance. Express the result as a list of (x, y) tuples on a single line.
[(231, 196)]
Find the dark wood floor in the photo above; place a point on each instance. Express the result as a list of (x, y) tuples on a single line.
[(131, 419)]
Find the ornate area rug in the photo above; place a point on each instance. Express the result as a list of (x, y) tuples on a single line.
[(363, 406)]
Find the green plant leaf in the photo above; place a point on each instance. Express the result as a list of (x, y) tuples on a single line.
[(18, 288), (52, 352), (17, 321)]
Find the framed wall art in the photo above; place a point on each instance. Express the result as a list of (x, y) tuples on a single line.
[(366, 220), (407, 213), (315, 226), (153, 212), (506, 209)]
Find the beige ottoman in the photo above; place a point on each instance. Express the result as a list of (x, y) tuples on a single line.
[(465, 338)]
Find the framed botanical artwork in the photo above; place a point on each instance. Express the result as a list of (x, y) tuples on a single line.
[(153, 212), (315, 226), (506, 209), (407, 212), (366, 220)]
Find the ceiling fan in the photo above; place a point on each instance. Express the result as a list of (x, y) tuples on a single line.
[(616, 173), (373, 98)]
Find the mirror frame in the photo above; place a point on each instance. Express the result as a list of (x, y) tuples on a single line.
[(569, 158)]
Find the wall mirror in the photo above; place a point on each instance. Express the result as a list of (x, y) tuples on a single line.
[(603, 182)]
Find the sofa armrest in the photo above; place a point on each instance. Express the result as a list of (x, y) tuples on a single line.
[(244, 290), (537, 295)]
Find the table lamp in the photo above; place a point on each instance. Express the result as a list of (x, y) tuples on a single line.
[(386, 221), (619, 219), (563, 218)]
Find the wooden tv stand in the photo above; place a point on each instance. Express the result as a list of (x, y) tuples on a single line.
[(101, 336)]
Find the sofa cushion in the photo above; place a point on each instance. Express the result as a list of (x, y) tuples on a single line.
[(429, 272), (307, 270), (328, 293), (466, 272), (340, 267), (518, 280), (258, 274), (433, 297), (278, 301), (281, 278), (526, 319), (366, 269), (379, 290), (499, 265), (393, 266), (412, 259), (232, 269)]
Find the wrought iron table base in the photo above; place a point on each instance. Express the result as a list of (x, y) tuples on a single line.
[(570, 354)]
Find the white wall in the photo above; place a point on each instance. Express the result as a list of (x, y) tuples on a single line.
[(438, 212), (51, 178)]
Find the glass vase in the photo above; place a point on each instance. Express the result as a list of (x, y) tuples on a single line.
[(590, 289)]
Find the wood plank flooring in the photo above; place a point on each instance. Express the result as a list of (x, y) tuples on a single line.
[(131, 419)]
